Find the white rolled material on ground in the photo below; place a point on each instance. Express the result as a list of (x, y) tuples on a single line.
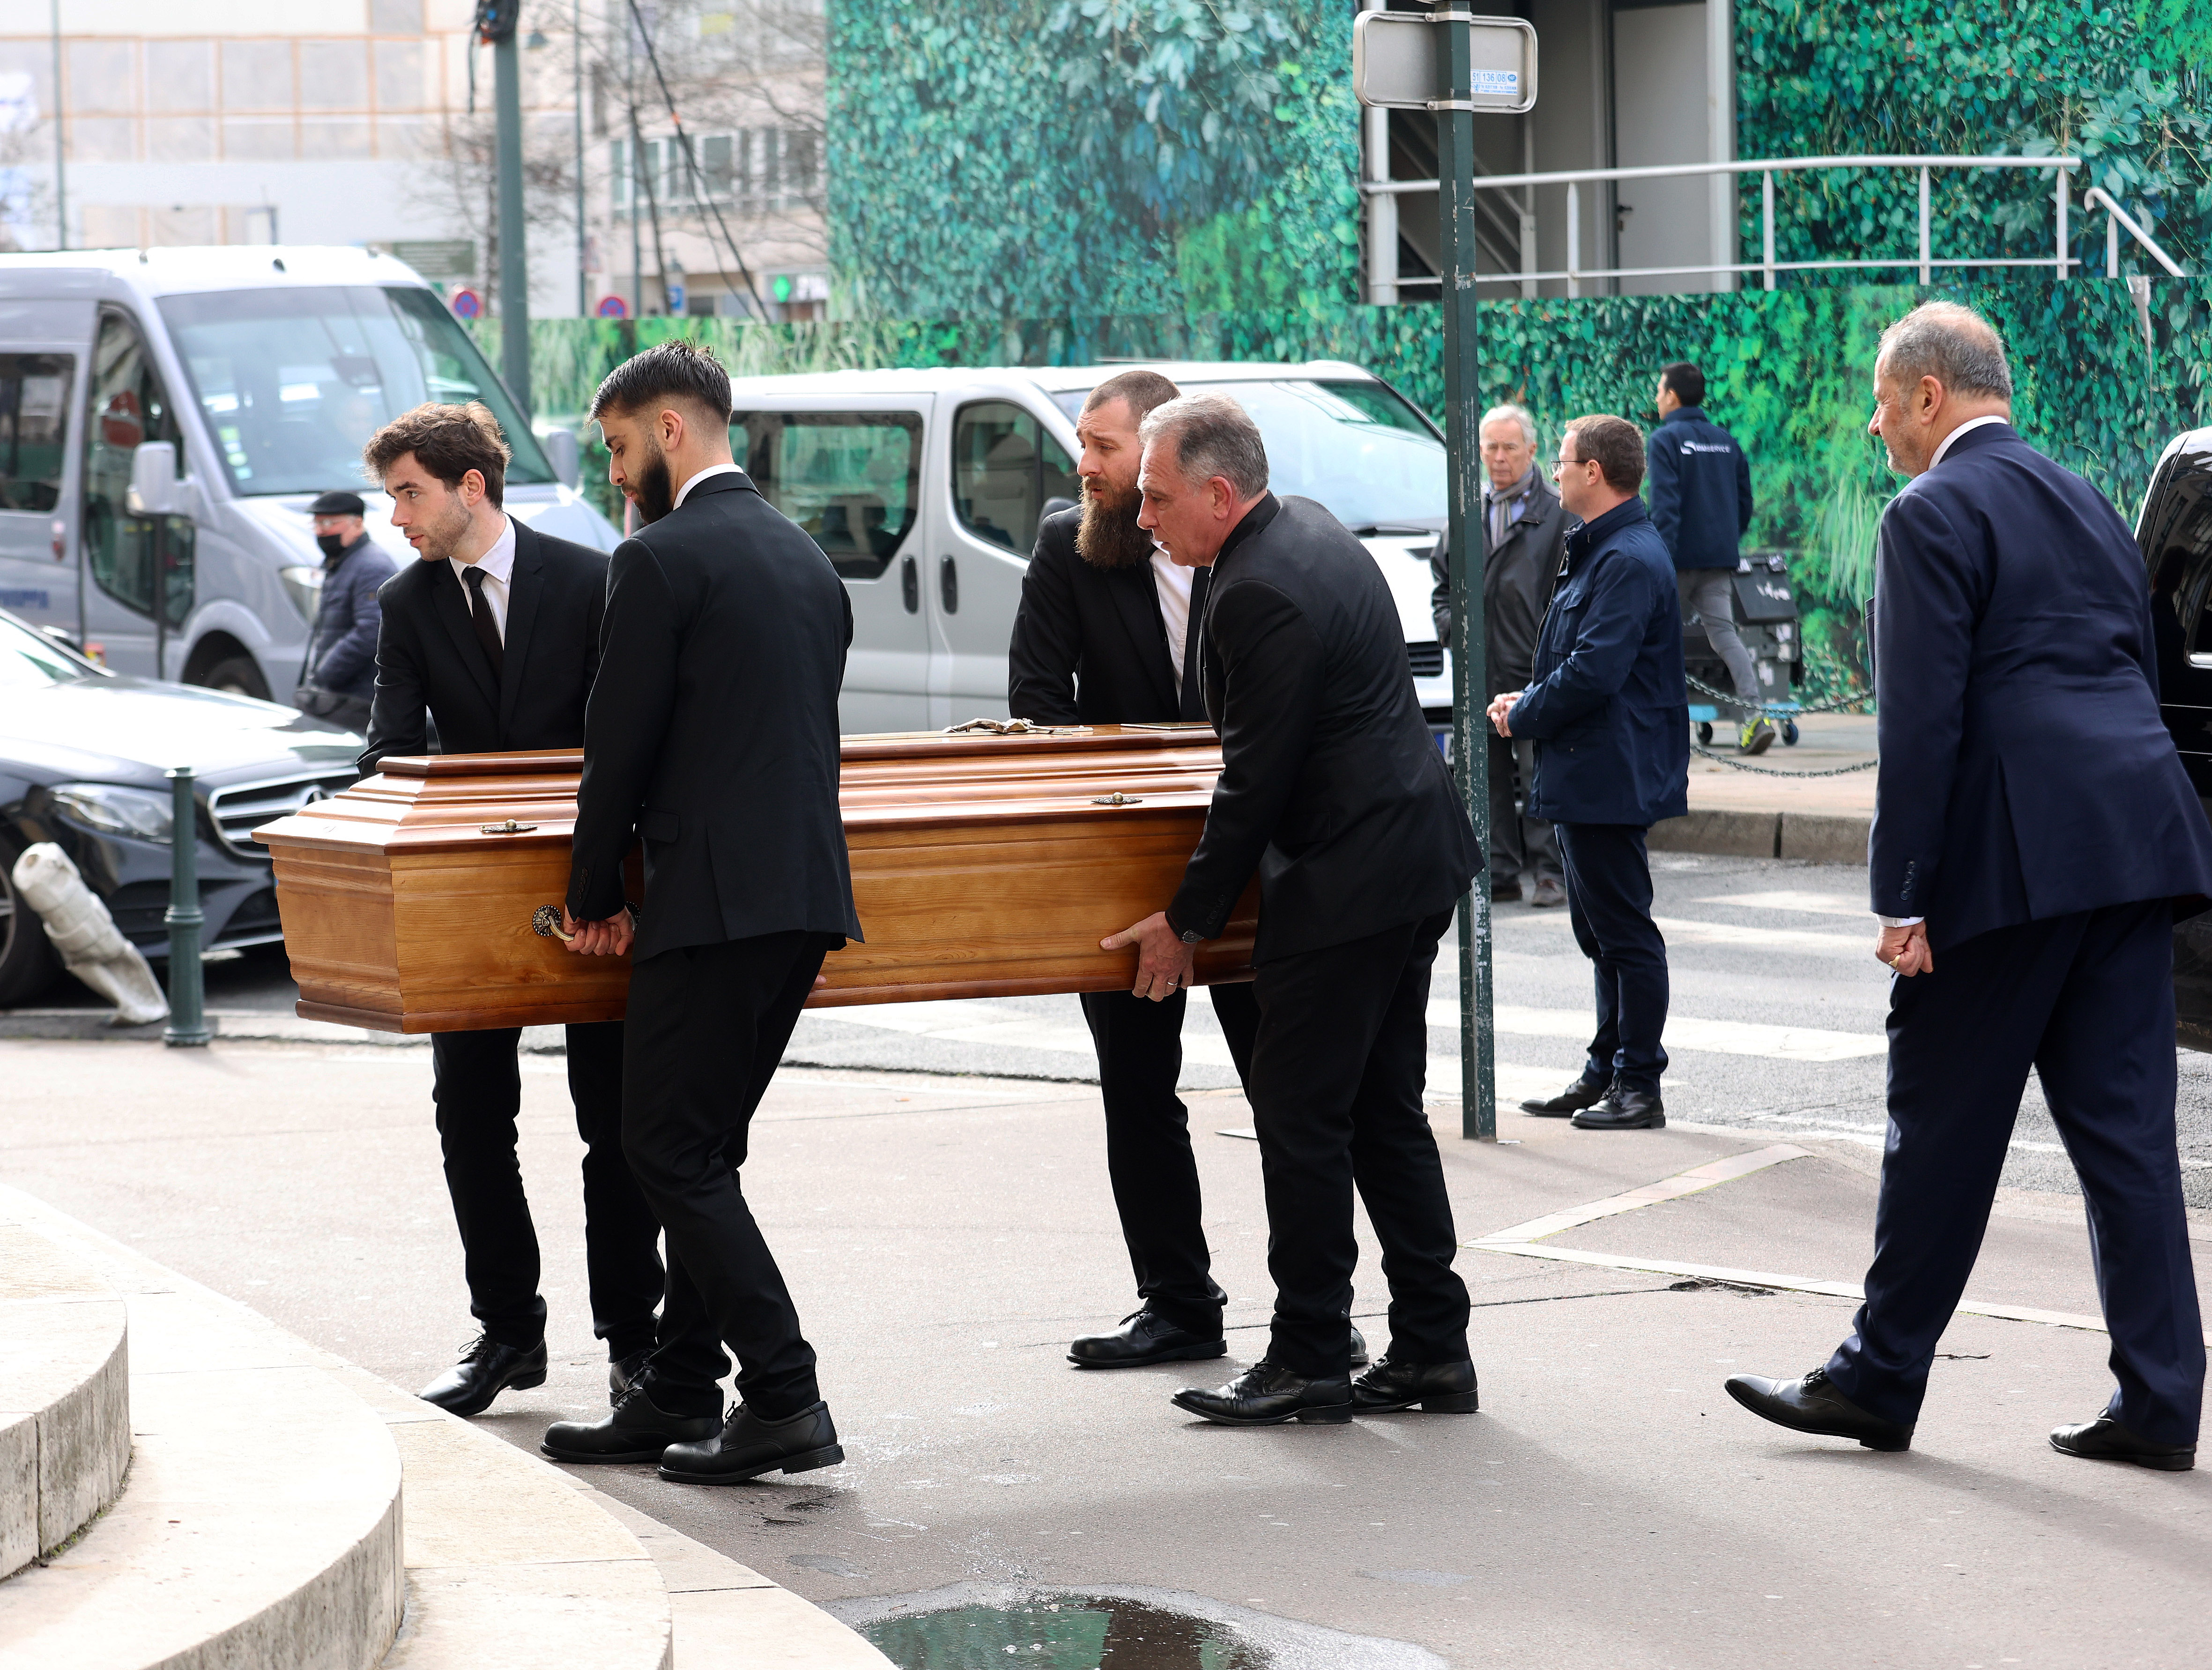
[(92, 948)]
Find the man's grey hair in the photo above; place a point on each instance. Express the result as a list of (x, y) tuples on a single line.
[(1519, 414), (1208, 436), (1951, 343)]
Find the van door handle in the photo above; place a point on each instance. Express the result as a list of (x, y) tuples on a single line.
[(948, 584), (910, 585)]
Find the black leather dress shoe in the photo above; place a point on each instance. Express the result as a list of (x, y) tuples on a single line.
[(748, 1446), (1265, 1395), (1813, 1404), (1440, 1388), (622, 1374), (486, 1369), (1624, 1109), (2105, 1439), (638, 1430), (1359, 1349), (1144, 1337), (1584, 1092)]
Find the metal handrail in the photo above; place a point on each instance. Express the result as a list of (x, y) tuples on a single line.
[(2115, 218), (1925, 263)]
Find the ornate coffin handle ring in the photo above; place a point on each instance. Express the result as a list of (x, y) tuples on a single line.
[(545, 921), (1119, 799)]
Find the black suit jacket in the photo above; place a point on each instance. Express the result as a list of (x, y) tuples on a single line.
[(1518, 577), (428, 658), (712, 730), (2025, 770), (1331, 786), (1089, 645)]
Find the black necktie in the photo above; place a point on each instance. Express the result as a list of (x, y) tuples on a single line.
[(1193, 706), (480, 616)]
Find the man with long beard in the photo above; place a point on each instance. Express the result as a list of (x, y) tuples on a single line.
[(1107, 634)]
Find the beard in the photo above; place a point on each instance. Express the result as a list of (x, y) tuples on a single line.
[(442, 534), (1109, 537), (656, 494)]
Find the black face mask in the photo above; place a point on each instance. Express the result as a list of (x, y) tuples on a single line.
[(333, 546)]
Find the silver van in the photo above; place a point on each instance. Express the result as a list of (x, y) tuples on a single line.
[(165, 417), (924, 488)]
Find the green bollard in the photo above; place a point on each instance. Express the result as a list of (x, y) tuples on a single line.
[(188, 1027)]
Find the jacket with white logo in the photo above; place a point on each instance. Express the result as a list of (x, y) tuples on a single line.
[(1700, 489)]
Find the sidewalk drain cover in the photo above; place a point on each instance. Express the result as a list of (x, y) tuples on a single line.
[(975, 1626)]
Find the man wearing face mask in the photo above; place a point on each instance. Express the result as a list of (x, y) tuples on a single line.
[(495, 633), (342, 660)]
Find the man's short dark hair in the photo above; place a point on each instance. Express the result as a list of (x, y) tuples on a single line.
[(1688, 381), (447, 440), (1615, 445), (1144, 392), (670, 371)]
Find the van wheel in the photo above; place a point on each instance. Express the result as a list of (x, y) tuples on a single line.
[(236, 675), (28, 963)]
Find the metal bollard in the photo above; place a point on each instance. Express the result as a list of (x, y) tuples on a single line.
[(187, 1025)]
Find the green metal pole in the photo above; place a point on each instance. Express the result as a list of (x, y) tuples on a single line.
[(1465, 550), (188, 1024), (514, 236)]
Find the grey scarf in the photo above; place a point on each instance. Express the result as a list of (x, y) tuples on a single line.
[(1504, 506)]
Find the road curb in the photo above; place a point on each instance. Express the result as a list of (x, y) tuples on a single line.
[(1815, 838)]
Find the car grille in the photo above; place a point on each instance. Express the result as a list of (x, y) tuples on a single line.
[(1428, 659), (241, 808)]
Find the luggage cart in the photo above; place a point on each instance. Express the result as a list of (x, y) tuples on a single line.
[(1766, 619)]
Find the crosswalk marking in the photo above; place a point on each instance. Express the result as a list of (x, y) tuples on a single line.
[(1744, 1037), (1810, 903), (1686, 931)]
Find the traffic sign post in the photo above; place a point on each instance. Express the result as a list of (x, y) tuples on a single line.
[(1454, 64)]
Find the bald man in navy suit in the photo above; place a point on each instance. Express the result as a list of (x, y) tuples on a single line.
[(2035, 839)]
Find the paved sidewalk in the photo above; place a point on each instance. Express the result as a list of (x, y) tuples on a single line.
[(945, 1237), (1762, 814)]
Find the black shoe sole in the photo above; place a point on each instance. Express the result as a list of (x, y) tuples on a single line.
[(828, 1456), (1652, 1122), (521, 1383), (1760, 744), (1312, 1415), (621, 1458), (1886, 1446), (1212, 1348), (2156, 1463), (1448, 1403)]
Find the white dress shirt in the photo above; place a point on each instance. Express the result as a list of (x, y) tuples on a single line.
[(498, 565), (1944, 446), (1173, 583), (711, 470)]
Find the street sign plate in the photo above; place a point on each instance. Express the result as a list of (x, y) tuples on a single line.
[(1399, 63)]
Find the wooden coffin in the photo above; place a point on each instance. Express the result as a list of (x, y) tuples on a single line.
[(983, 866)]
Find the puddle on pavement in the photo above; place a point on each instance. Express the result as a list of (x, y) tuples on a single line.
[(986, 1627)]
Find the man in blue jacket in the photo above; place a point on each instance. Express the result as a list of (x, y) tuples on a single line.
[(342, 657), (1701, 505), (2033, 824), (1607, 707)]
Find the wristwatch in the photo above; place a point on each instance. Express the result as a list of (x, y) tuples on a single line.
[(1187, 936)]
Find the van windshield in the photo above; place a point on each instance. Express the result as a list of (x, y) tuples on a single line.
[(1355, 446), (293, 382)]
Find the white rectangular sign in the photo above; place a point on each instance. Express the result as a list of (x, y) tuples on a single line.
[(1399, 62)]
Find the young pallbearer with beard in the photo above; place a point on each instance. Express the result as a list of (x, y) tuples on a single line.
[(494, 634), (1107, 634), (1331, 791), (712, 737)]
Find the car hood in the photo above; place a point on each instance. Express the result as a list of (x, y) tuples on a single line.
[(124, 729)]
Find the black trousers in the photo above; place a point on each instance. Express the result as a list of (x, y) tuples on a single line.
[(1148, 1142), (477, 1089), (1609, 902), (1335, 1088), (708, 1028), (2087, 1001), (1519, 845)]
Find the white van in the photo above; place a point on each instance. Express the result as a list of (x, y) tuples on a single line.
[(924, 488), (168, 415)]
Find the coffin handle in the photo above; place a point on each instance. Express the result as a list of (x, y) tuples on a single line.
[(545, 921)]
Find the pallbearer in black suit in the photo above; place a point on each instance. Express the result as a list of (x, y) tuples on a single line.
[(2034, 834), (1107, 635), (712, 739), (1331, 789), (494, 634)]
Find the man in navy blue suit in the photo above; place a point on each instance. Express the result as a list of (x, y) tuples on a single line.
[(2034, 825), (1608, 708)]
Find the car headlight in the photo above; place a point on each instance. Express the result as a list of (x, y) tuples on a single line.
[(116, 811), (305, 587)]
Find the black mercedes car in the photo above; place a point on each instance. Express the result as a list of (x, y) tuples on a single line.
[(83, 754), (2175, 534)]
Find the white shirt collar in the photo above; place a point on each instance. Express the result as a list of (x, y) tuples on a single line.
[(711, 470), (1971, 424), (498, 563)]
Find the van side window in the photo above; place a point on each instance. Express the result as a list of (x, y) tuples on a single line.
[(852, 479), (34, 390), (129, 407), (1007, 474)]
